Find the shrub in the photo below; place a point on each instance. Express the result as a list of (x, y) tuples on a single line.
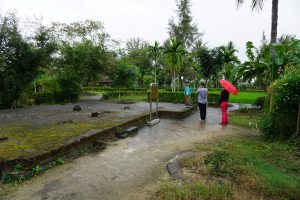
[(279, 120), (178, 97), (59, 90), (260, 102), (147, 80), (112, 89)]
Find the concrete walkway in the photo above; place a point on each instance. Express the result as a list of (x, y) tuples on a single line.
[(127, 167)]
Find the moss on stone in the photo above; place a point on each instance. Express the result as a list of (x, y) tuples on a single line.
[(26, 140)]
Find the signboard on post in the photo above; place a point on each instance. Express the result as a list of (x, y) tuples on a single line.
[(154, 91)]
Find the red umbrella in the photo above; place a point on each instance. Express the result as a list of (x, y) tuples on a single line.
[(228, 86)]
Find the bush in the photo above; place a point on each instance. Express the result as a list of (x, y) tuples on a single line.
[(112, 89), (112, 94), (260, 102), (59, 90), (279, 120), (178, 97)]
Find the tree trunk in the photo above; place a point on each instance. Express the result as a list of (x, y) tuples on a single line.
[(274, 21), (178, 83), (173, 82)]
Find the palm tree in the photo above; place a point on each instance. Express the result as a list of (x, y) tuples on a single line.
[(258, 4), (154, 53), (175, 52), (230, 61)]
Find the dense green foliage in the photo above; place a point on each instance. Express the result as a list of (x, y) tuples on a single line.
[(19, 62), (58, 90), (85, 52), (281, 108), (111, 89), (125, 75)]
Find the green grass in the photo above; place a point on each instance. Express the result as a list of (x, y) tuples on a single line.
[(242, 97), (26, 140), (244, 117), (134, 98), (247, 167), (173, 191)]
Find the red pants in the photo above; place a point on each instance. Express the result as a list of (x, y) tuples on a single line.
[(224, 105)]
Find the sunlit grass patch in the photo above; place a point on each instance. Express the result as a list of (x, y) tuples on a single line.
[(242, 97)]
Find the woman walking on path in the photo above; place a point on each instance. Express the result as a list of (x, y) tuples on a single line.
[(223, 102), (202, 101)]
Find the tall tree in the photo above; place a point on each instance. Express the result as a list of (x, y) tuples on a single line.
[(137, 54), (174, 52), (209, 62), (230, 61), (258, 4), (19, 61), (155, 51), (184, 31), (135, 44)]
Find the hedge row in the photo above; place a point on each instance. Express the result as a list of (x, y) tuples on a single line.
[(107, 95), (171, 97), (110, 89), (55, 97), (178, 97)]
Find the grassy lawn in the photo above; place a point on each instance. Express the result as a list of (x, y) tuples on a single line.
[(242, 97), (239, 168), (244, 117)]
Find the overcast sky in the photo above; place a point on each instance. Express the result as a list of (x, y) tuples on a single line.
[(220, 20)]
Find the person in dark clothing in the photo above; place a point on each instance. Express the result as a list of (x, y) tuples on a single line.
[(223, 102), (202, 93)]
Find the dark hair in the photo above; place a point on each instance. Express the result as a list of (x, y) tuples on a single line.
[(202, 84)]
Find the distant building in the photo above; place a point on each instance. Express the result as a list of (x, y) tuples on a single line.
[(104, 82)]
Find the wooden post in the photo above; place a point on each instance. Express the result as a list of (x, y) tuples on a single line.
[(150, 102)]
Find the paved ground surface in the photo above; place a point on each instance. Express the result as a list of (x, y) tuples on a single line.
[(46, 114), (39, 129), (127, 168)]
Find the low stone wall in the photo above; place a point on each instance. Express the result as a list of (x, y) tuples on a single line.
[(87, 139)]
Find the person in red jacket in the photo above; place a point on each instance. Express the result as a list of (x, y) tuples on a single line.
[(223, 102)]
